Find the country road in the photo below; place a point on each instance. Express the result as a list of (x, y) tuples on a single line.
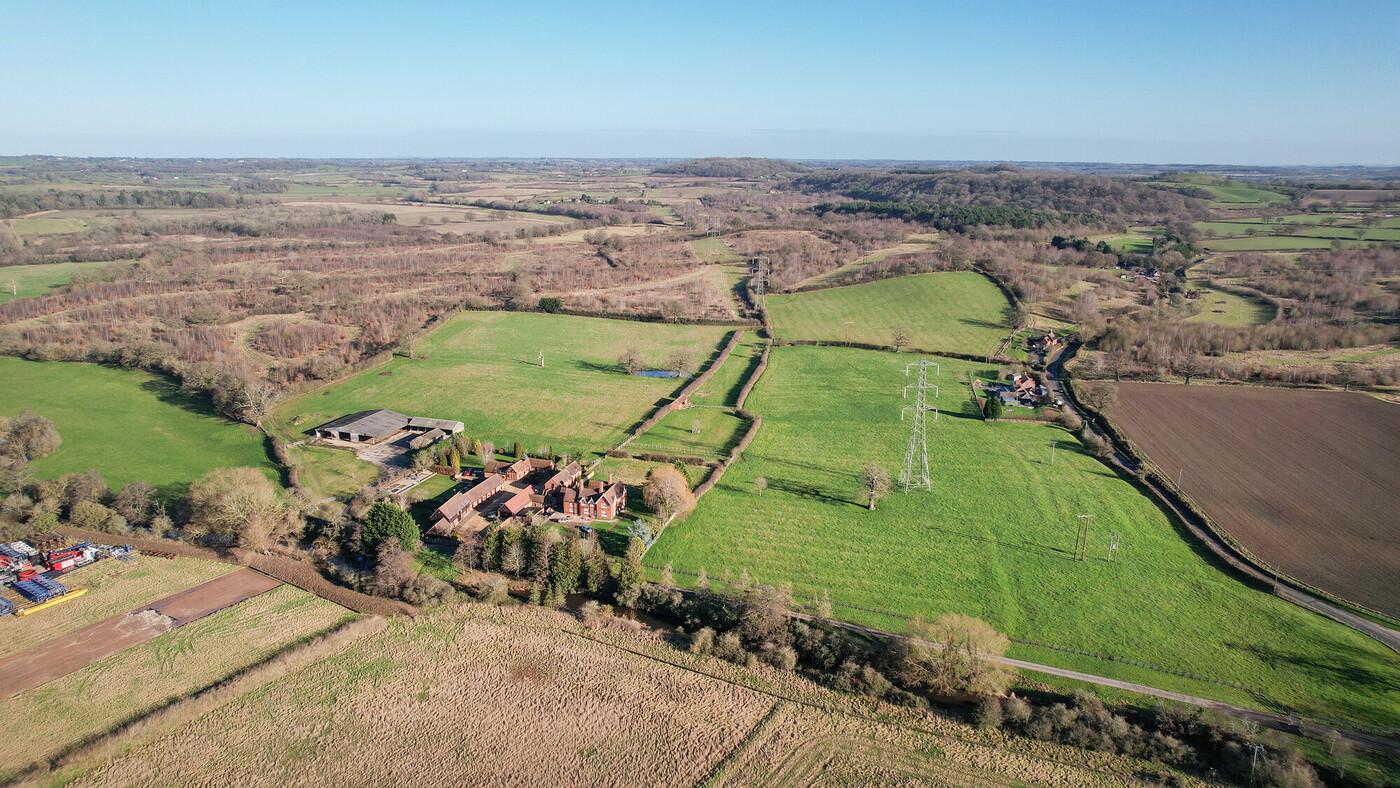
[(1232, 557)]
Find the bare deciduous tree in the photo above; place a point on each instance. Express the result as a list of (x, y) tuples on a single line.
[(875, 482)]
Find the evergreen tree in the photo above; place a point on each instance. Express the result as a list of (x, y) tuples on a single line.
[(518, 451), (536, 593), (554, 597), (566, 562), (630, 572), (385, 521), (595, 567), (491, 548)]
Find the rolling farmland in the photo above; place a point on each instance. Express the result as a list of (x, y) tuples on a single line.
[(957, 312), (1307, 480), (480, 368), (993, 540), (128, 425)]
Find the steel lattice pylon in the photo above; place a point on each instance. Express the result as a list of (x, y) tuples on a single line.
[(914, 475)]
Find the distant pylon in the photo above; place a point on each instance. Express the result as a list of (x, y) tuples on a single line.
[(914, 475)]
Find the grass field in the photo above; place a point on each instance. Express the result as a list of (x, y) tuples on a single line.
[(480, 368), (113, 587), (42, 721), (676, 434), (723, 388), (715, 250), (1230, 193), (24, 281), (584, 708), (1347, 232), (993, 539), (54, 224), (1228, 309), (1133, 242), (950, 312), (128, 425), (1271, 243)]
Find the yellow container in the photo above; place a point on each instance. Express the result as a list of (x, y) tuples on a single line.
[(73, 593)]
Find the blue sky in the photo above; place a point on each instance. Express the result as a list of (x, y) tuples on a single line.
[(1211, 82)]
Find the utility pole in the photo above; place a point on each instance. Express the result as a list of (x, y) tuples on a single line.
[(1081, 537), (914, 474), (1256, 749), (1113, 548)]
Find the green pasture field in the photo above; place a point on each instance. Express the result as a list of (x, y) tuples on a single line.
[(1271, 243), (37, 280), (1229, 309), (128, 425), (959, 312), (52, 224), (994, 539), (718, 431), (1343, 232), (1229, 193), (1131, 242), (722, 389), (714, 250), (480, 368)]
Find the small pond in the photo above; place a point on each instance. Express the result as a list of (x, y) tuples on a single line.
[(659, 373)]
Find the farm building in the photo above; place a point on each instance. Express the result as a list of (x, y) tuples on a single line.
[(375, 426), (563, 478)]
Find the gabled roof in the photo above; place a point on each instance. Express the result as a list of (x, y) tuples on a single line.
[(446, 425), (613, 494), (373, 423), (452, 507), (566, 475)]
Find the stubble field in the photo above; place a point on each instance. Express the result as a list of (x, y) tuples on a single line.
[(480, 692), (1307, 480)]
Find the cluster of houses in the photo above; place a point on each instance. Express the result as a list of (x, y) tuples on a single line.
[(518, 488), (1043, 343), (1022, 390), (526, 486)]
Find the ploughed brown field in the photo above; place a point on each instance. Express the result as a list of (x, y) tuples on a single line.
[(1307, 480)]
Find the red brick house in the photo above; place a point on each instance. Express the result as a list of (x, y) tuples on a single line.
[(593, 500)]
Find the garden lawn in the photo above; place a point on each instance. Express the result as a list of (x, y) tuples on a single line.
[(37, 280), (128, 425), (958, 312), (480, 368), (993, 540)]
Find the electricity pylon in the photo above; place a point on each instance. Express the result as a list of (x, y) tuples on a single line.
[(914, 475)]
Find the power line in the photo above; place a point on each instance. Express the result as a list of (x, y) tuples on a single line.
[(915, 474)]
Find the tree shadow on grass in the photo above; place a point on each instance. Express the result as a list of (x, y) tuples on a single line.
[(1336, 668), (169, 392), (593, 366), (812, 491), (972, 321)]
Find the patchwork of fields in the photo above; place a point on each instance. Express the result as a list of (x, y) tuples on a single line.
[(1307, 480), (128, 425), (481, 368), (958, 312), (993, 540)]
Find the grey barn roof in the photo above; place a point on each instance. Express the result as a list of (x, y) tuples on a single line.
[(372, 423), (446, 425)]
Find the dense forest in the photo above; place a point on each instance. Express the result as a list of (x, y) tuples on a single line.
[(717, 167), (1046, 192)]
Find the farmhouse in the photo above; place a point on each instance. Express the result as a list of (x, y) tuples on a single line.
[(593, 500), (377, 426)]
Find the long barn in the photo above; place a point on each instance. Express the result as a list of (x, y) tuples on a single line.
[(374, 426)]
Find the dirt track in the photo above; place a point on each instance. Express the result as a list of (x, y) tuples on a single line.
[(75, 650), (1306, 480)]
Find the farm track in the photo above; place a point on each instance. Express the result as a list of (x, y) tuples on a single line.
[(1282, 586), (64, 654)]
